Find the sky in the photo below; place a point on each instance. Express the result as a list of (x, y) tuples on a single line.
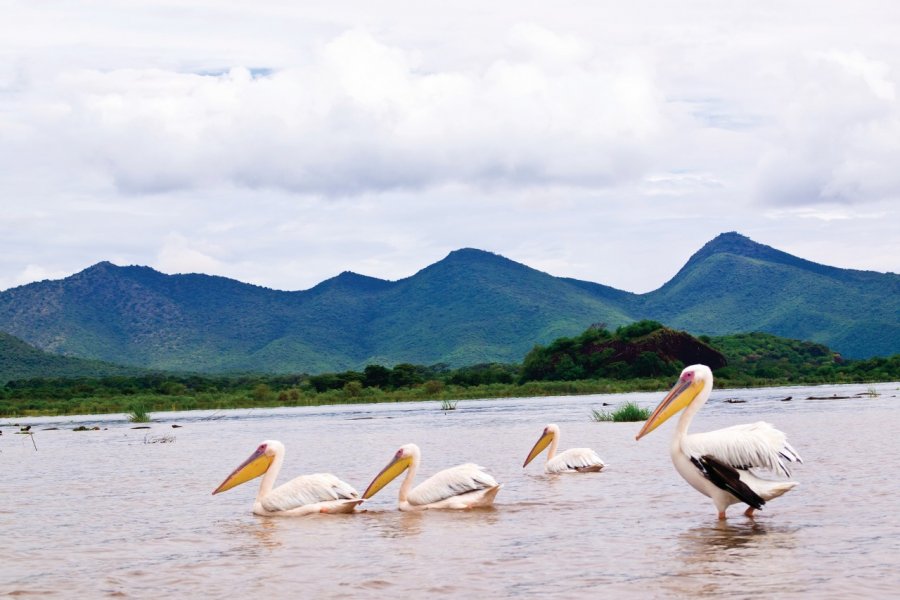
[(280, 144)]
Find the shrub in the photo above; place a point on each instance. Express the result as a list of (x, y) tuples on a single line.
[(627, 413)]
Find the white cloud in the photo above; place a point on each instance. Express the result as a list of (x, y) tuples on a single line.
[(180, 255), (282, 143), (838, 137), (360, 117)]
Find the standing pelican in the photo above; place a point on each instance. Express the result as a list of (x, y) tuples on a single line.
[(581, 460), (462, 486), (718, 463), (304, 495)]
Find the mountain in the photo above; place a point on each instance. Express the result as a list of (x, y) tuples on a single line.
[(18, 360), (471, 307), (734, 285)]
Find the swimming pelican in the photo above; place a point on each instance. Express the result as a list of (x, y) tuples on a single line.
[(718, 463), (462, 486), (304, 495), (582, 460)]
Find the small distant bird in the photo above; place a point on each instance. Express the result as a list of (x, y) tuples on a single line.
[(26, 428), (581, 460)]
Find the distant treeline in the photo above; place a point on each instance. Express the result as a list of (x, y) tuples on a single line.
[(641, 356)]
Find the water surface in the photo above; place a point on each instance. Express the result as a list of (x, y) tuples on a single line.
[(106, 513)]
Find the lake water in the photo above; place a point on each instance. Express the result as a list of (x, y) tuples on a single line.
[(107, 514)]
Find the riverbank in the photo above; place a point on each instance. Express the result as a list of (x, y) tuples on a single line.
[(267, 395)]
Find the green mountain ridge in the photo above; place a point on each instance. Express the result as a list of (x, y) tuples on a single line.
[(19, 360), (471, 307)]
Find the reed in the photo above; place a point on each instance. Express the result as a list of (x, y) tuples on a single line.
[(138, 413), (600, 416), (627, 413)]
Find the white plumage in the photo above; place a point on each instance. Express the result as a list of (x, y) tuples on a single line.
[(307, 494), (461, 487), (574, 460), (580, 460), (720, 464), (752, 446), (455, 481), (307, 490)]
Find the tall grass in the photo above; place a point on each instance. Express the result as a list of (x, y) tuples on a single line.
[(627, 413), (139, 413), (448, 404)]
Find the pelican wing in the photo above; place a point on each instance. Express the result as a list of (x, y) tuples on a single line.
[(308, 489), (728, 479), (454, 481), (753, 446), (574, 459)]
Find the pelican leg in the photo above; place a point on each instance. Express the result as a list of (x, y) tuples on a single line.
[(722, 516), (749, 512)]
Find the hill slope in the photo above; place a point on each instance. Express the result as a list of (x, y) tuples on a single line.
[(18, 360), (471, 307), (736, 285)]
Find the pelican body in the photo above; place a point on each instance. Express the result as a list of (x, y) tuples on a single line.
[(460, 487), (304, 495), (574, 460), (719, 464)]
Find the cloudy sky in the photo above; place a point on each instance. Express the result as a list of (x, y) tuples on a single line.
[(280, 143)]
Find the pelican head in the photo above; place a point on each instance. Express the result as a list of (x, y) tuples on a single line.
[(258, 463), (403, 458), (692, 381), (550, 432)]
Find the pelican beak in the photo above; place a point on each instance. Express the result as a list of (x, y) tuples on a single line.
[(682, 394), (387, 475), (542, 443), (253, 467)]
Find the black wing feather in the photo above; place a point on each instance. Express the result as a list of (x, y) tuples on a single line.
[(728, 479)]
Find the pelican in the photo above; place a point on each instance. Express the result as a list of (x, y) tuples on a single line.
[(719, 463), (459, 487), (581, 460), (304, 495)]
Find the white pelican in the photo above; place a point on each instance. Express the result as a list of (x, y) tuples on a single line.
[(582, 460), (304, 495), (718, 463), (462, 486)]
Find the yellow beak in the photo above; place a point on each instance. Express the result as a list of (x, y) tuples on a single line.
[(542, 443), (387, 475), (253, 467), (682, 394)]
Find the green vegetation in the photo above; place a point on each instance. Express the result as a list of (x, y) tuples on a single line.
[(627, 413), (18, 360), (138, 413), (640, 350), (471, 308), (752, 360)]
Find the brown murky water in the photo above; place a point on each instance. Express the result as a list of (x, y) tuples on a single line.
[(102, 513)]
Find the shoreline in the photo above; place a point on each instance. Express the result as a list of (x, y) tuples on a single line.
[(330, 399)]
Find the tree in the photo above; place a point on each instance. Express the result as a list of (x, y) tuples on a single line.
[(376, 376), (405, 375)]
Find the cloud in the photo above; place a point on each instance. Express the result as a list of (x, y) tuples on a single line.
[(180, 255), (837, 140), (362, 116), (280, 144)]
